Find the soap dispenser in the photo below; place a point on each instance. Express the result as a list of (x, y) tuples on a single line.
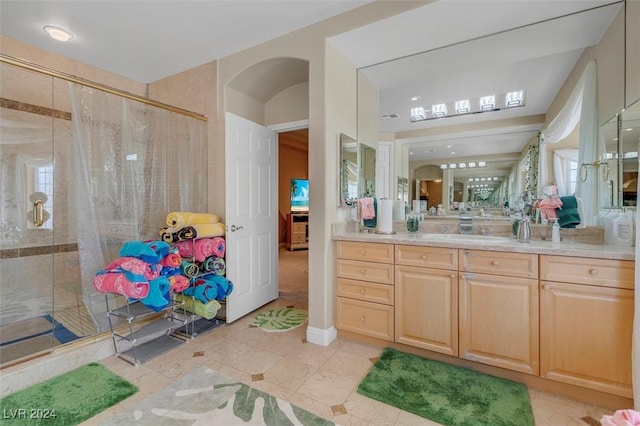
[(555, 231), (524, 230)]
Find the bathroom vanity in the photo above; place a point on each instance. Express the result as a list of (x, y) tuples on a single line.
[(560, 313)]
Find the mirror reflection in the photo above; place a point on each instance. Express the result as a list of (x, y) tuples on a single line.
[(629, 137), (367, 179), (488, 97), (348, 170)]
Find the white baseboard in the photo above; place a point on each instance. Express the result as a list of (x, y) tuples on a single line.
[(322, 337)]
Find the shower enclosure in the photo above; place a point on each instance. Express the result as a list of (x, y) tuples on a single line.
[(82, 170)]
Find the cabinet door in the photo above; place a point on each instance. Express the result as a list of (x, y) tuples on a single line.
[(585, 336), (427, 308), (499, 321)]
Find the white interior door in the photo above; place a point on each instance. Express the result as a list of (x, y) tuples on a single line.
[(251, 172)]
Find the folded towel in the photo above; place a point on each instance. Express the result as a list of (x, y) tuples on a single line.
[(189, 269), (209, 287), (622, 418), (206, 265), (372, 222), (219, 246), (135, 270), (178, 283), (180, 219), (149, 251), (367, 209), (202, 230), (206, 310), (198, 249), (568, 215), (219, 266), (117, 283), (548, 206), (172, 260), (158, 297)]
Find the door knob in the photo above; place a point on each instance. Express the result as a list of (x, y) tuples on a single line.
[(235, 228)]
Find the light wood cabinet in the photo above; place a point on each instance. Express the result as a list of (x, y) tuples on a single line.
[(426, 294), (297, 231), (364, 289), (586, 322), (499, 322)]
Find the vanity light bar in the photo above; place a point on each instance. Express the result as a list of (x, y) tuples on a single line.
[(494, 102), (470, 164)]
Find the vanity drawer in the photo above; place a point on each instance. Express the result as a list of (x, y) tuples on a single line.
[(499, 263), (299, 227), (370, 252), (429, 257), (365, 271), (366, 318), (362, 290), (590, 271)]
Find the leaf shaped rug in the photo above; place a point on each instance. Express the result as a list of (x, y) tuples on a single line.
[(205, 397), (280, 319)]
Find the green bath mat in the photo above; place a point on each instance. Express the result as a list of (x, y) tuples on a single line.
[(445, 393), (285, 319), (68, 399)]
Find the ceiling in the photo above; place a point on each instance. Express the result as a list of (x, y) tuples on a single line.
[(147, 40), (450, 49), (459, 49)]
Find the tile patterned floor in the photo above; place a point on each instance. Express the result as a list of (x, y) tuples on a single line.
[(319, 379)]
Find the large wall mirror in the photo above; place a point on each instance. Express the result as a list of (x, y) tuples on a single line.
[(454, 100)]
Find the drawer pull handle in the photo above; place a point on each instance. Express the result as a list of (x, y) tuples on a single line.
[(452, 275), (362, 291), (546, 286), (593, 271), (362, 271), (362, 251), (362, 318), (495, 263), (423, 257)]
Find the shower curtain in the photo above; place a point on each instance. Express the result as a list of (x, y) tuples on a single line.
[(131, 164)]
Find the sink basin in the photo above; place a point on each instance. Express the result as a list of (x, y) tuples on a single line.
[(483, 239)]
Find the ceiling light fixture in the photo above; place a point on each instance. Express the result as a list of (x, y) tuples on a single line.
[(463, 106), (57, 33), (514, 99), (418, 114), (487, 103), (439, 110)]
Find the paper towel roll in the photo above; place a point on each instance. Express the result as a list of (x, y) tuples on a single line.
[(398, 211), (385, 216)]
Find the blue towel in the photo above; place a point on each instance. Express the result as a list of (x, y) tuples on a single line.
[(209, 287), (372, 223), (149, 251), (158, 297), (568, 215)]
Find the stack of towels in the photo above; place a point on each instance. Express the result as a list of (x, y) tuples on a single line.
[(199, 239), (146, 270)]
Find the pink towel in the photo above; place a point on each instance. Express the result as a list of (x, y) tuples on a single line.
[(622, 418), (198, 249), (135, 266), (172, 260), (549, 205), (178, 283), (367, 211), (116, 282), (219, 246)]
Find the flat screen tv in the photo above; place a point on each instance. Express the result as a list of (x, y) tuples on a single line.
[(299, 195)]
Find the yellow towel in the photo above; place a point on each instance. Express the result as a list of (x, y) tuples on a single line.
[(180, 219)]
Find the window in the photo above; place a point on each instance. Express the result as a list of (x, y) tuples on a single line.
[(572, 176)]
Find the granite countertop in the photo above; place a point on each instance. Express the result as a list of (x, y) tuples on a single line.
[(506, 244)]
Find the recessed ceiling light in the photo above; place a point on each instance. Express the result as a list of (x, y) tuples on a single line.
[(416, 98), (57, 33)]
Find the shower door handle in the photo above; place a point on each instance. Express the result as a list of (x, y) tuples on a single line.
[(38, 213)]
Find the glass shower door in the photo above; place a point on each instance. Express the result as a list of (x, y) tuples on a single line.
[(26, 214)]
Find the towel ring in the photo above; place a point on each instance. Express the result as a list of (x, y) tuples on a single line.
[(584, 170)]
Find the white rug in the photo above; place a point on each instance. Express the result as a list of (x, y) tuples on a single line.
[(207, 397)]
